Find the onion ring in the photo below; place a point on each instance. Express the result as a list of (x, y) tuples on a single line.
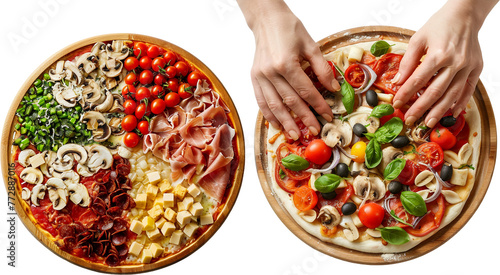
[(335, 161), (370, 78)]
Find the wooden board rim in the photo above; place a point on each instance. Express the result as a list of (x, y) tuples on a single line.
[(484, 171), (6, 143)]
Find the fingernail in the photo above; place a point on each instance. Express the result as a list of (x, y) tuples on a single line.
[(410, 120), (396, 78), (397, 104), (431, 123), (313, 131), (293, 134), (335, 85), (327, 117)]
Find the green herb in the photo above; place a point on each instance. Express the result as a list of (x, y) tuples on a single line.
[(327, 183), (437, 132), (282, 174), (413, 151), (394, 168), (382, 110), (423, 127), (413, 203), (347, 96), (294, 162), (379, 48), (393, 214), (394, 235), (466, 165), (389, 131), (373, 154)]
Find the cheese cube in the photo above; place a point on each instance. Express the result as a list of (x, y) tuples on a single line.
[(168, 200), (180, 206), (140, 201), (156, 212), (154, 177), (206, 219), (156, 250), (146, 256), (170, 214), (151, 191), (183, 218), (165, 186), (136, 227), (135, 249), (159, 223), (176, 237), (193, 190), (148, 223), (190, 229), (167, 229), (37, 160), (188, 202), (142, 238), (154, 234), (196, 209), (180, 191)]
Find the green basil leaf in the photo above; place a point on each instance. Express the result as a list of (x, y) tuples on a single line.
[(394, 168), (294, 162), (413, 203), (347, 92), (394, 235), (327, 183), (389, 131), (373, 154), (382, 110), (380, 48), (393, 214)]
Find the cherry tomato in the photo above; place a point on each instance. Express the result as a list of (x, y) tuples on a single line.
[(143, 127), (397, 113), (182, 68), (354, 75), (318, 152), (159, 79), (131, 63), (131, 139), (172, 99), (153, 51), (128, 91), (129, 122), (443, 137), (430, 153), (193, 78), (141, 110), (371, 215), (170, 71), (157, 91), (158, 63), (305, 198), (145, 62), (146, 77), (358, 150), (158, 106), (140, 49), (129, 106), (173, 84), (185, 91), (409, 173), (170, 58), (142, 93), (130, 78)]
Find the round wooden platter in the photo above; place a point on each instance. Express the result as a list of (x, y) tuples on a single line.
[(484, 169), (23, 209)]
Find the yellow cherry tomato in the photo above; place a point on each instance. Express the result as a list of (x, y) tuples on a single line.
[(358, 150)]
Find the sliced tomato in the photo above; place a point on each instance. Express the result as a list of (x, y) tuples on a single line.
[(342, 196), (287, 184), (368, 59), (305, 198), (432, 220), (459, 125), (430, 153), (354, 75), (386, 68), (305, 136), (409, 172), (397, 113), (286, 149)]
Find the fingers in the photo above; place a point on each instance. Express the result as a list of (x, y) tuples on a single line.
[(468, 90), (261, 101), (322, 70), (410, 61)]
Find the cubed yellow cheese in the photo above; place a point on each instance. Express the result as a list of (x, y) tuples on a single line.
[(206, 219), (180, 191), (188, 202), (193, 190), (154, 177), (190, 229), (156, 212), (146, 256), (167, 229), (180, 206), (170, 214), (159, 200), (140, 201), (159, 223), (176, 237), (183, 218), (37, 160), (136, 227), (154, 234), (151, 191), (148, 223), (156, 250), (196, 209), (135, 249), (168, 200), (165, 186)]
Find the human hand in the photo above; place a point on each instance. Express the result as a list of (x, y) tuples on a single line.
[(279, 82), (452, 62)]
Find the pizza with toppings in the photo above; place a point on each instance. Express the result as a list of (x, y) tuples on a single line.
[(368, 182), (125, 153)]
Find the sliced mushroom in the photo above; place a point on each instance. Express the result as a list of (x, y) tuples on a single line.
[(57, 193), (46, 168), (117, 50), (38, 193), (371, 123), (350, 230), (389, 154), (369, 187), (308, 216), (69, 177), (100, 157), (359, 169), (334, 100), (24, 157), (96, 122), (72, 70), (112, 67), (32, 175), (85, 171), (374, 232), (25, 193), (64, 95), (59, 72), (420, 133), (79, 194), (115, 124), (77, 151), (423, 178), (106, 105), (63, 164), (117, 104), (91, 92), (87, 62), (337, 133), (329, 216)]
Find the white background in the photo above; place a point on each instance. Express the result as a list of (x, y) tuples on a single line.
[(252, 240)]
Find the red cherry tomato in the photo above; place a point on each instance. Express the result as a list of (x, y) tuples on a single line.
[(182, 68), (145, 62), (193, 78), (143, 127), (430, 153), (371, 215), (318, 152), (130, 78), (185, 91), (141, 110), (305, 198), (157, 91), (170, 58), (170, 71), (131, 139), (354, 75), (131, 63), (128, 92), (153, 51), (172, 99), (140, 49), (158, 63), (146, 77), (397, 113), (158, 106), (443, 137), (129, 106), (173, 84), (160, 79), (142, 93), (129, 122)]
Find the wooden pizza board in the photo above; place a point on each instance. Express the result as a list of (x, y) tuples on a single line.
[(23, 208), (484, 170)]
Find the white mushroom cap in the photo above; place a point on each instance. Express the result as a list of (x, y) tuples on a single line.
[(329, 216), (57, 193), (100, 157), (38, 192), (337, 133), (32, 175), (24, 157)]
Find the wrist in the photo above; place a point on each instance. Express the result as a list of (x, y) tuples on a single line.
[(472, 11), (259, 12)]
